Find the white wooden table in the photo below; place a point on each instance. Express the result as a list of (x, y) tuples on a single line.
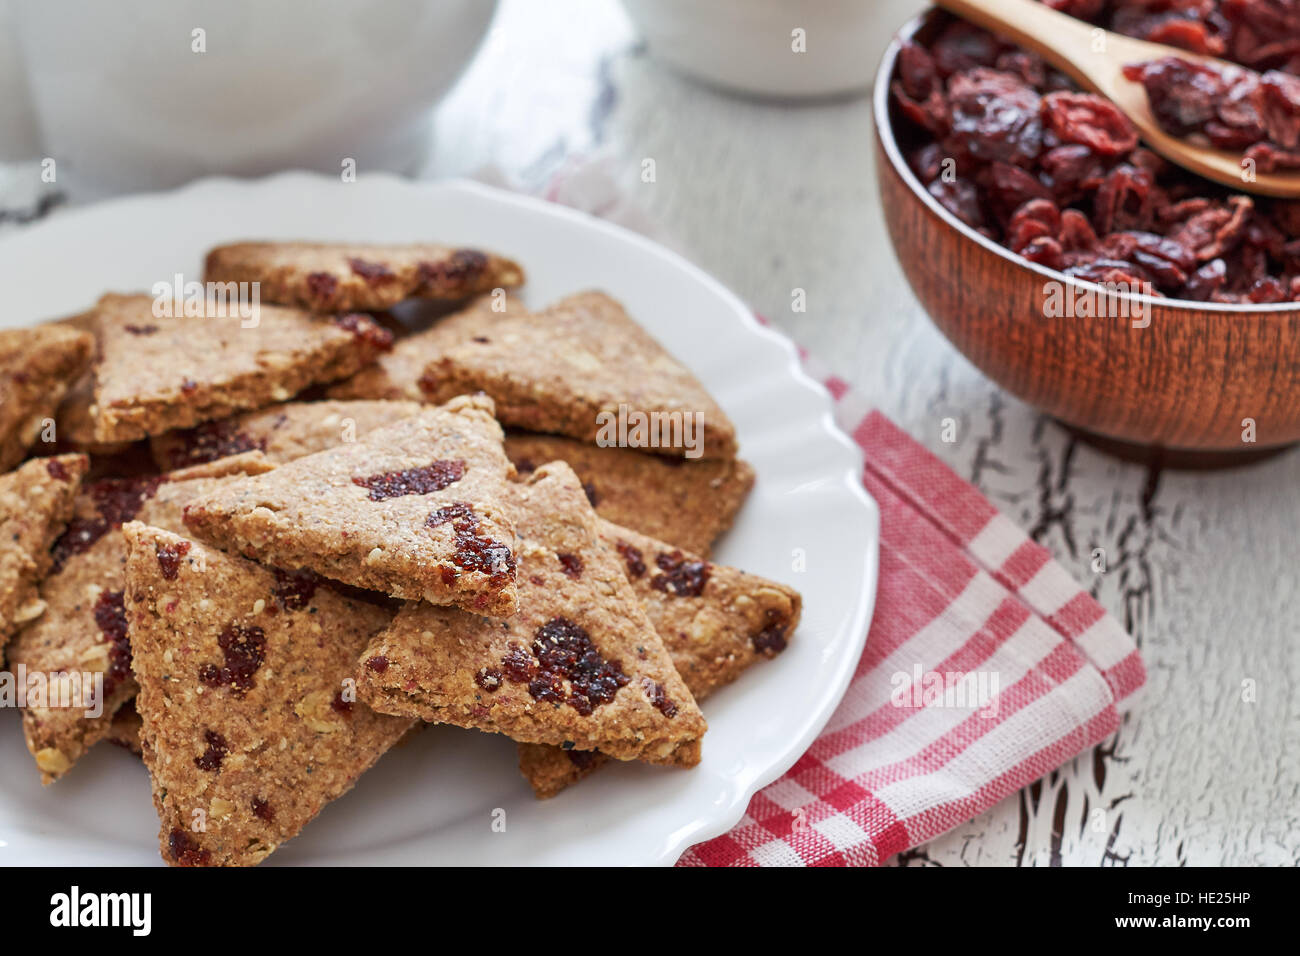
[(1201, 566)]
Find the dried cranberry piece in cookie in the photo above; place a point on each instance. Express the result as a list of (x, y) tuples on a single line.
[(680, 575), (413, 481), (217, 748), (373, 272), (244, 648), (169, 558), (110, 618)]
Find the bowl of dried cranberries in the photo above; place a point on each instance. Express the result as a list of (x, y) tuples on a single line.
[(1077, 269)]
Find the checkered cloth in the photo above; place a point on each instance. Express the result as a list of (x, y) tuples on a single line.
[(963, 592)]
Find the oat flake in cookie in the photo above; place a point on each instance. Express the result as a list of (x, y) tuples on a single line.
[(579, 663), (247, 721), (338, 277), (570, 368), (37, 367), (715, 621), (35, 505), (413, 510), (156, 374)]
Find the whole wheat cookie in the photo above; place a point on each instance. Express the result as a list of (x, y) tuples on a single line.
[(35, 505), (340, 277), (714, 620), (157, 374), (281, 432), (249, 725), (688, 503), (37, 367), (397, 374), (413, 510), (583, 368), (82, 628), (578, 666)]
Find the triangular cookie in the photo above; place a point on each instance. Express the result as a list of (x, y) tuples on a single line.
[(397, 374), (338, 277), (82, 628), (35, 505), (156, 374), (412, 510), (578, 664), (715, 621), (249, 725), (583, 368), (689, 503), (281, 432), (37, 367)]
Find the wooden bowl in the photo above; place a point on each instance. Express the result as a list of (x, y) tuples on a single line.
[(1176, 374)]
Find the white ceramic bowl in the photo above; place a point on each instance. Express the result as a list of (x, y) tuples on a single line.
[(750, 46)]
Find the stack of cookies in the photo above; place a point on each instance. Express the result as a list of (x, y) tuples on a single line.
[(283, 539)]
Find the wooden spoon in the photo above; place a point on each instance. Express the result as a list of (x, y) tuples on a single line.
[(1095, 59)]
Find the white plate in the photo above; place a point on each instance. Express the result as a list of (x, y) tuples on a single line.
[(435, 800)]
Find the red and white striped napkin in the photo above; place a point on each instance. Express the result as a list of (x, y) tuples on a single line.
[(963, 593)]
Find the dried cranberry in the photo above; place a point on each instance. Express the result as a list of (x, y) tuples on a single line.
[(210, 441), (518, 665), (185, 850), (262, 810), (633, 558), (771, 638), (294, 590), (169, 558), (365, 329), (413, 481), (244, 649), (680, 577), (110, 617), (453, 276), (583, 759), (1091, 121), (321, 286), (54, 468), (474, 551), (378, 663), (659, 698), (217, 748), (564, 650), (375, 273), (341, 706), (960, 198), (571, 565), (995, 116), (116, 501)]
